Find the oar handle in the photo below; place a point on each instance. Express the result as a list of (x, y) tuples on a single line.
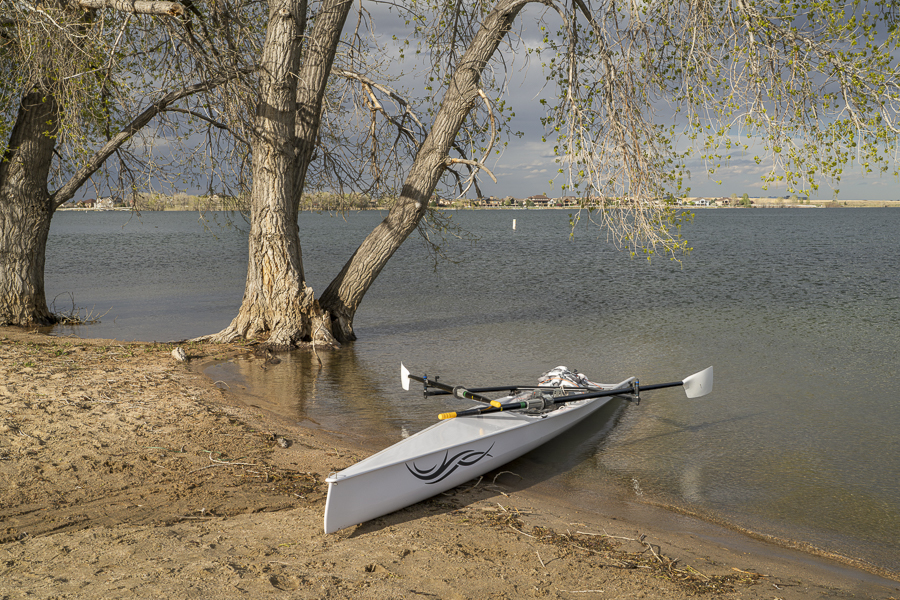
[(482, 410)]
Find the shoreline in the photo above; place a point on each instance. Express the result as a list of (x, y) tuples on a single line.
[(543, 490), (125, 472), (759, 202)]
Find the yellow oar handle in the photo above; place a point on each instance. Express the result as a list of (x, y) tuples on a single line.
[(496, 403), (481, 411)]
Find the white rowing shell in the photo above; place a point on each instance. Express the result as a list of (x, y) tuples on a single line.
[(441, 457)]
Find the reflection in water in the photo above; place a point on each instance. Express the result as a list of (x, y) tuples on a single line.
[(341, 394)]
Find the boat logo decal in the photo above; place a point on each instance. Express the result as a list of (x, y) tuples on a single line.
[(448, 465)]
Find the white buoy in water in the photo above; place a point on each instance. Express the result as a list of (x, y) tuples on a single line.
[(514, 224)]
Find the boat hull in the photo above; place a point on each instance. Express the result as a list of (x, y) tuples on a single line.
[(439, 458)]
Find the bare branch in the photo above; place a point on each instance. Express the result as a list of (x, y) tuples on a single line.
[(211, 121), (141, 7), (493, 134), (65, 193), (403, 102), (472, 163)]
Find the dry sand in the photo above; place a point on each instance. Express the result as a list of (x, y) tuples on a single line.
[(127, 474)]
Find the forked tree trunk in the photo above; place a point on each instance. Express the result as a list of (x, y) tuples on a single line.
[(344, 294), (277, 302), (25, 212)]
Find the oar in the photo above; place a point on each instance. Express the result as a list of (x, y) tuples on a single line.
[(508, 388), (405, 377), (696, 385), (457, 391)]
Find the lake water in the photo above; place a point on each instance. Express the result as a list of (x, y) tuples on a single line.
[(798, 310)]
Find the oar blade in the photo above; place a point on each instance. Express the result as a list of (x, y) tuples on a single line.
[(404, 377), (699, 384)]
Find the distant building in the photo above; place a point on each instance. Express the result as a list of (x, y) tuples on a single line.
[(539, 200)]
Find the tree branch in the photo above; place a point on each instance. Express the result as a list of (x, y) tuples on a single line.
[(140, 7), (65, 193), (381, 88), (472, 163), (211, 121)]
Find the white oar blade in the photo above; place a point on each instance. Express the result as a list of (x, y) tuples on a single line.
[(404, 377), (699, 384)]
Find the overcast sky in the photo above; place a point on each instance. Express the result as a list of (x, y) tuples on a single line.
[(526, 167), (527, 164)]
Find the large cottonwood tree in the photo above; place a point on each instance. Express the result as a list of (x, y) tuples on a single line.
[(808, 89), (277, 302)]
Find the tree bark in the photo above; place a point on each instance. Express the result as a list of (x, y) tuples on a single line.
[(25, 212), (277, 302), (344, 294)]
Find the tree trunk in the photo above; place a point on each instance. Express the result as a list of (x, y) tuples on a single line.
[(277, 302), (26, 206), (25, 212), (344, 294)]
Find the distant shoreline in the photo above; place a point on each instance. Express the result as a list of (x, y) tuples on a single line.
[(757, 203)]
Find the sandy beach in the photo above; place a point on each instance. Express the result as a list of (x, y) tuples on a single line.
[(126, 473)]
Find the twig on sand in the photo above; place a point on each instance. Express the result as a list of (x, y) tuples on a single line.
[(203, 468), (650, 547), (494, 481)]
